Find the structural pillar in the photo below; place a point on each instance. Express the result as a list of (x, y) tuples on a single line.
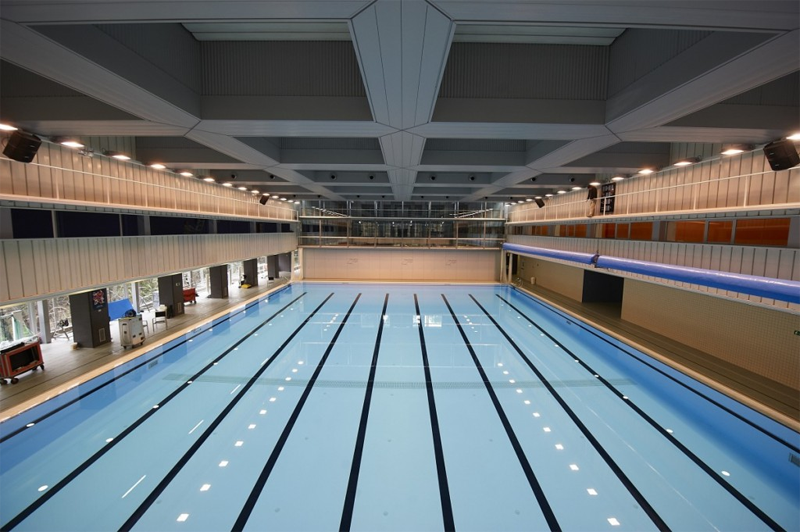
[(250, 269), (170, 293), (218, 281), (285, 263), (43, 325), (89, 314), (272, 267)]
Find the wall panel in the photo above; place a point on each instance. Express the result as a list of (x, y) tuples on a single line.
[(757, 339), (390, 264), (39, 268)]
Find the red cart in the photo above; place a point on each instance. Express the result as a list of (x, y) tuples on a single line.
[(19, 358)]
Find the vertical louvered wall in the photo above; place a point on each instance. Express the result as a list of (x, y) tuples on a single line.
[(62, 175), (752, 183), (777, 263), (34, 269)]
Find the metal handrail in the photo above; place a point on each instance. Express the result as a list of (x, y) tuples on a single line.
[(405, 242)]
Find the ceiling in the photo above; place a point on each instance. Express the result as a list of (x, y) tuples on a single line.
[(403, 99)]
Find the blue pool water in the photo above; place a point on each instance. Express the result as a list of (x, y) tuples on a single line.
[(368, 407)]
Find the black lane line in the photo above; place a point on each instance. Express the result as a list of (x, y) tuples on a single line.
[(352, 483), (133, 368), (444, 490), (775, 437), (153, 496), (47, 495), (635, 493), (661, 430), (538, 492), (252, 499)]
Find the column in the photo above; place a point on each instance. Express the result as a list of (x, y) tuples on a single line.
[(250, 269), (218, 281), (89, 316), (170, 293)]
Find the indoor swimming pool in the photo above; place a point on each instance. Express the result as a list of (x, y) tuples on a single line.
[(396, 407)]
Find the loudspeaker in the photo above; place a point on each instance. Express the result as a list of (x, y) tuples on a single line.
[(263, 200), (781, 154), (539, 202), (22, 146)]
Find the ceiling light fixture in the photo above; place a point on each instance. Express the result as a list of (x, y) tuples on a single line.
[(209, 179), (158, 166), (561, 191), (71, 143), (576, 188), (528, 199), (548, 195), (793, 136), (7, 127), (243, 188), (617, 178), (227, 184), (646, 171), (186, 173), (595, 183), (735, 149), (254, 191), (686, 161)]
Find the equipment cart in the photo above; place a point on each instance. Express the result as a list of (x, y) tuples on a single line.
[(19, 358)]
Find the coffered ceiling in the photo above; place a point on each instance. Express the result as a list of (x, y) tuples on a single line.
[(403, 99)]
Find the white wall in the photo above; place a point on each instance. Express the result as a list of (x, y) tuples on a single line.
[(37, 268), (401, 264)]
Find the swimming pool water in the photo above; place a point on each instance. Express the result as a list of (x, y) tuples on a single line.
[(369, 407)]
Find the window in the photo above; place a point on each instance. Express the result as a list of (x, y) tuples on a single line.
[(720, 232), (689, 231), (762, 232), (642, 231)]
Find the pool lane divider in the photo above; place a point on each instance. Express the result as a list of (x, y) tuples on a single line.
[(352, 483), (623, 478), (133, 368), (718, 478), (47, 495), (538, 492), (255, 493), (441, 471), (159, 489), (654, 368)]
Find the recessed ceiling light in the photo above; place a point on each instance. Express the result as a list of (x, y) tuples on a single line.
[(242, 188), (537, 197), (72, 144), (646, 171), (283, 199), (157, 166), (595, 183), (617, 178), (528, 199), (121, 157), (255, 191), (562, 191), (793, 136), (520, 201), (227, 184), (187, 174), (576, 188), (548, 195), (7, 127), (209, 179)]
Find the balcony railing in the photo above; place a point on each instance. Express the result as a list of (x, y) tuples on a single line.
[(400, 242)]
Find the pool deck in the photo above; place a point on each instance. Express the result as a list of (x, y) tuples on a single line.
[(67, 367)]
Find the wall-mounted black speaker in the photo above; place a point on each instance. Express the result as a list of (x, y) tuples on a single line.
[(539, 202), (22, 146), (263, 200), (781, 154)]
